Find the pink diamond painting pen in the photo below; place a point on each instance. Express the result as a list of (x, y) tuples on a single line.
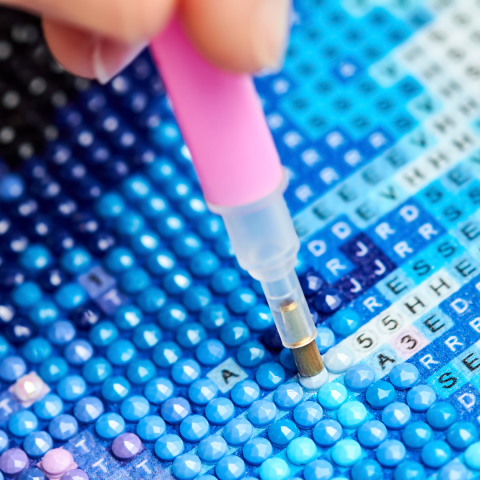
[(242, 179)]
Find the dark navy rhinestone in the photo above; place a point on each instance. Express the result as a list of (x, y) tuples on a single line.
[(52, 278), (311, 283), (61, 241), (10, 277), (85, 316), (328, 301), (19, 331)]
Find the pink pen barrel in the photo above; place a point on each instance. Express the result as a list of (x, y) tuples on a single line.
[(222, 123)]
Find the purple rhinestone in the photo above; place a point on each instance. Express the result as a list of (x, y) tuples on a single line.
[(76, 474), (13, 461), (126, 446)]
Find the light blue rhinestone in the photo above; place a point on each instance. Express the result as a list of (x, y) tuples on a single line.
[(345, 322), (194, 428), (12, 187), (214, 317), (241, 300), (435, 454), (165, 354), (416, 435), (307, 414), (327, 432), (250, 354), (262, 413), (190, 335), (288, 396), (96, 370), (110, 205), (237, 432), (359, 377), (76, 260), (161, 170), (37, 444), (245, 393), (4, 441), (472, 456), (185, 372), (151, 300), (129, 223), (48, 407), (318, 470), (380, 394), (121, 352), (37, 350), (134, 408), (202, 391), (43, 313), (301, 451), (136, 187), (453, 471), (210, 352), (52, 370), (12, 368), (282, 432), (61, 332), (128, 317), (421, 398), (372, 434), (135, 280), (3, 346), (175, 410), (70, 296), (404, 375), (35, 258), (257, 450), (411, 470), (461, 435), (210, 227), (71, 388), (170, 225), (22, 423), (441, 415), (204, 264), (141, 371), (259, 318), (103, 334), (286, 359), (119, 260), (332, 395), (146, 336), (153, 206), (346, 452), (270, 375), (274, 469), (396, 415), (367, 469), (196, 298), (325, 339), (27, 294), (168, 447), (219, 411), (63, 427), (234, 334), (172, 316), (186, 245), (177, 281), (212, 449), (115, 389), (78, 352), (186, 467), (352, 414), (161, 262), (88, 409), (225, 280), (230, 468), (151, 428), (109, 425), (158, 390)]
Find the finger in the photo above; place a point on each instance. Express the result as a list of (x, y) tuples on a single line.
[(88, 55), (128, 21), (238, 35)]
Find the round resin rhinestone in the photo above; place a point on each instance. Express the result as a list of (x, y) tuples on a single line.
[(126, 446)]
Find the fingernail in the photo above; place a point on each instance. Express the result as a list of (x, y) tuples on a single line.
[(109, 58), (271, 24)]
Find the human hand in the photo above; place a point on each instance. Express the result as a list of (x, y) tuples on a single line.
[(98, 38)]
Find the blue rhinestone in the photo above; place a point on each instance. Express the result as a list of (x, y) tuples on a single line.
[(367, 469), (311, 283), (230, 468), (301, 451), (12, 368), (143, 243), (307, 414), (150, 428), (275, 469), (214, 317), (71, 388), (165, 354), (197, 298), (453, 471), (186, 467), (110, 425), (262, 413), (103, 334), (380, 394), (472, 456), (225, 280), (63, 427), (328, 301), (237, 432), (160, 170), (4, 441), (219, 411), (141, 371), (96, 370), (288, 396), (204, 264), (332, 395), (210, 227), (27, 295), (158, 390), (136, 187), (12, 187), (194, 428), (345, 322), (177, 281), (421, 398), (185, 372), (346, 452), (22, 423), (168, 447), (202, 391), (146, 336), (245, 393), (327, 432), (161, 262), (461, 435), (88, 409), (441, 415), (119, 260), (48, 407), (286, 359), (115, 389), (151, 300), (19, 331), (170, 225), (416, 435), (282, 432), (186, 245), (257, 450), (129, 223), (396, 415), (37, 350), (134, 408), (234, 334), (44, 313), (76, 260), (251, 354), (153, 206), (435, 454), (61, 332), (70, 296), (121, 352), (210, 352), (37, 444), (241, 300), (352, 414), (325, 339), (51, 370), (318, 470), (372, 434), (110, 205), (78, 352), (410, 470), (212, 449), (172, 316), (135, 280), (259, 318), (175, 410), (35, 258), (359, 377), (270, 375), (51, 279), (404, 375), (223, 247)]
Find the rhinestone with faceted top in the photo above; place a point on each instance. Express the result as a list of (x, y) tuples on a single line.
[(411, 470), (126, 446), (212, 449), (301, 451), (461, 435), (352, 414), (185, 372), (307, 414), (88, 409), (48, 407), (13, 461), (274, 469), (332, 395), (288, 396), (186, 467), (421, 398), (346, 452), (151, 428), (75, 474), (318, 470), (327, 433), (390, 453), (31, 474), (367, 469), (359, 377), (372, 434), (404, 376), (219, 411), (441, 415), (245, 393), (22, 423), (257, 450), (63, 427), (396, 415), (380, 394), (282, 432), (270, 375), (37, 444), (202, 391), (158, 390), (194, 428), (262, 413), (134, 408), (56, 462), (175, 410), (416, 435), (110, 425), (237, 432), (436, 454), (338, 359), (230, 468), (472, 456)]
